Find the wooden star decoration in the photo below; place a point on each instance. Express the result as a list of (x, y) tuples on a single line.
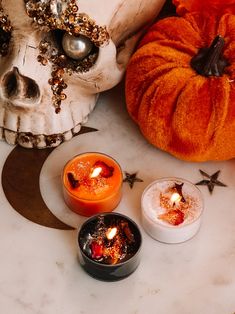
[(212, 180), (131, 178)]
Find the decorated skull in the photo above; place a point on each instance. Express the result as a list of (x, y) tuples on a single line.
[(56, 56)]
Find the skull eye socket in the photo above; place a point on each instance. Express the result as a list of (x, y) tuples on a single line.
[(78, 53), (5, 33), (77, 48), (5, 38)]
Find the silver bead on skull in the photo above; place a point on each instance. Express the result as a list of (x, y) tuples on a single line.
[(77, 47)]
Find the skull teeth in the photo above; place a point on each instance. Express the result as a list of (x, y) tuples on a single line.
[(29, 140)]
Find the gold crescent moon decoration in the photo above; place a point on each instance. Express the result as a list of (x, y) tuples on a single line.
[(20, 182)]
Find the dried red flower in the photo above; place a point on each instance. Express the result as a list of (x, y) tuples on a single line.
[(96, 250), (107, 171), (174, 217)]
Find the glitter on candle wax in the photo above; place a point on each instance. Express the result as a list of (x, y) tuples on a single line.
[(109, 244), (90, 176)]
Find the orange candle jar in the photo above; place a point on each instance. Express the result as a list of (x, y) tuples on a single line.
[(92, 184)]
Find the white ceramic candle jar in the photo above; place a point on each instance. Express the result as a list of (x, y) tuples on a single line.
[(171, 210)]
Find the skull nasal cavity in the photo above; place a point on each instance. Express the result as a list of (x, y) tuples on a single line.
[(18, 86)]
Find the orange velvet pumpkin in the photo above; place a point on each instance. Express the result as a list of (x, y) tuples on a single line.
[(215, 7), (180, 86)]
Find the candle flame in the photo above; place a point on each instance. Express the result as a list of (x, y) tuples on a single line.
[(111, 232), (175, 198), (96, 172)]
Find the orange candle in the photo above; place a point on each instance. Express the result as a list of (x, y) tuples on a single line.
[(92, 184)]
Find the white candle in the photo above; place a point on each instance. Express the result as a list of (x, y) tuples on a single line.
[(171, 210)]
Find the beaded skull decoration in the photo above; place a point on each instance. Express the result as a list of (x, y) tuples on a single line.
[(56, 56), (63, 16)]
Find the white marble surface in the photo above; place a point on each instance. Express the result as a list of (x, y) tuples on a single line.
[(40, 273)]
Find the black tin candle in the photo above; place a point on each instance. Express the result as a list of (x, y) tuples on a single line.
[(109, 246)]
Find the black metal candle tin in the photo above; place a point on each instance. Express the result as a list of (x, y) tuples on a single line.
[(109, 272)]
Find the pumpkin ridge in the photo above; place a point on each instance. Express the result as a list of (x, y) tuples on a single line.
[(207, 26), (150, 114), (190, 124), (163, 51), (192, 19), (226, 26), (141, 87), (180, 47), (143, 77), (204, 143), (165, 30), (220, 112)]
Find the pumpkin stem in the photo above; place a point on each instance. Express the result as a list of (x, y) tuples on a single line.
[(210, 61)]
